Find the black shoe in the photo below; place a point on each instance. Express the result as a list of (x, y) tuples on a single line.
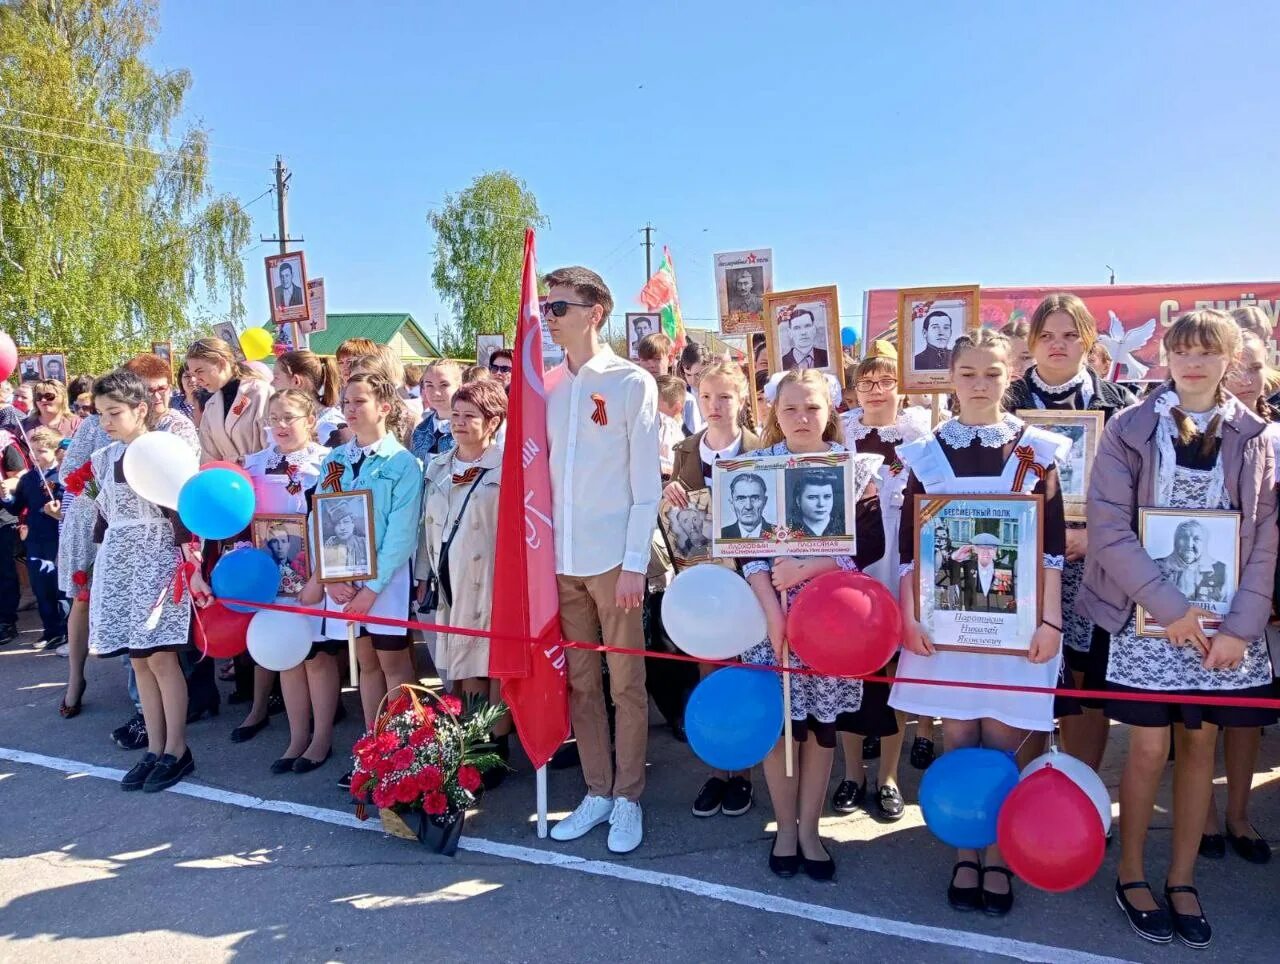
[(922, 753), (738, 797), (1253, 849), (820, 870), (243, 734), (132, 735), (344, 781), (1151, 925), (8, 633), (848, 796), (710, 798), (889, 804), (783, 866), (997, 905), (566, 757), (169, 770), (304, 765), (284, 765), (138, 773), (1192, 929), (871, 748), (210, 708), (1213, 846), (965, 898)]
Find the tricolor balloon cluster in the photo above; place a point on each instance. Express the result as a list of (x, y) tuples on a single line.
[(217, 501)]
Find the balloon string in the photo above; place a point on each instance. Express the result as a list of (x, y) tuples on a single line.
[(1144, 697)]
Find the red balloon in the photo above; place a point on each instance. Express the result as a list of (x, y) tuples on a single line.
[(8, 356), (1049, 832), (238, 469), (220, 632), (845, 623)]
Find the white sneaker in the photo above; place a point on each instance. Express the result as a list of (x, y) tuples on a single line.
[(591, 812), (40, 645), (626, 826), (64, 650)]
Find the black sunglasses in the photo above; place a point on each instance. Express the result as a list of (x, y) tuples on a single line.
[(46, 398), (501, 369), (561, 308)]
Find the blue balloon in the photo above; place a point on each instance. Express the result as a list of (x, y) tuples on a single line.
[(246, 573), (734, 717), (961, 794), (848, 337), (216, 503)]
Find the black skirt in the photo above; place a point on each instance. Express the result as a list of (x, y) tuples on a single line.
[(875, 717), (1191, 715), (1092, 667)]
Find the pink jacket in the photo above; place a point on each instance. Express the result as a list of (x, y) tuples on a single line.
[(230, 436), (1118, 572)]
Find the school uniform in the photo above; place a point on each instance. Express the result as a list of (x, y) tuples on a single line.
[(34, 490), (1142, 463), (1006, 457)]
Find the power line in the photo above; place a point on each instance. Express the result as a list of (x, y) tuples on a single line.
[(126, 147), (121, 130), (88, 160)]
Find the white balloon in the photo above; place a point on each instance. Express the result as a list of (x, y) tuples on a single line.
[(157, 465), (279, 641), (710, 611), (1079, 773)]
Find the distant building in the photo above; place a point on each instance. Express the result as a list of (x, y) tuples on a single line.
[(395, 329)]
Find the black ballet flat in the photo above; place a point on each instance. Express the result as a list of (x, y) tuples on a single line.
[(997, 905), (783, 866), (284, 765), (304, 765), (1151, 925), (1253, 849), (243, 734), (819, 870), (1192, 929), (1213, 846), (965, 898)]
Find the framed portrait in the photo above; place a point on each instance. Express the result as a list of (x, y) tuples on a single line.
[(226, 330), (783, 505), (284, 537), (345, 549), (287, 286), (930, 321), (1084, 429), (163, 349), (978, 571), (743, 278), (688, 531), (802, 330), (54, 367), (640, 325), (1198, 550), (486, 345), (30, 368), (318, 320)]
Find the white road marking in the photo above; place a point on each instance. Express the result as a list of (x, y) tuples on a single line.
[(739, 896)]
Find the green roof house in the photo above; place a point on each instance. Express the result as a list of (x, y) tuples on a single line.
[(395, 329)]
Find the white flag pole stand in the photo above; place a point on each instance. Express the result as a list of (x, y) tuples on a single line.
[(541, 782), (352, 663)]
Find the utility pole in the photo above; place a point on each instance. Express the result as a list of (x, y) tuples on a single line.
[(1113, 272), (283, 176), (648, 252)]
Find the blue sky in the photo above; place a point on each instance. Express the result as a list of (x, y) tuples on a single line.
[(997, 143)]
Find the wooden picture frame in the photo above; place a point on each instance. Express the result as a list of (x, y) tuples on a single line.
[(959, 612), (816, 312), (295, 560), (49, 372), (688, 531), (923, 366), (634, 337), (354, 555), (1084, 429), (296, 261), (163, 349), (1209, 588), (30, 367)]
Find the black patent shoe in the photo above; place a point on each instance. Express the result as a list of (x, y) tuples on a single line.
[(783, 866), (871, 748), (169, 770), (1151, 925), (1253, 849), (138, 773), (922, 753), (283, 765), (848, 796), (1213, 846), (1192, 929), (965, 898), (889, 804), (994, 904)]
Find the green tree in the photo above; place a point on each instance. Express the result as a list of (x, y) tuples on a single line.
[(478, 257), (109, 230)]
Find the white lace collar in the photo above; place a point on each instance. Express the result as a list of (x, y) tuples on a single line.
[(1166, 403), (312, 452), (1062, 389), (958, 435), (856, 431)]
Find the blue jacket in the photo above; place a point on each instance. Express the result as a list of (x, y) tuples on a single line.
[(428, 440), (42, 530)]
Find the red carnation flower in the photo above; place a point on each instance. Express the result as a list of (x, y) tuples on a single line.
[(451, 704), (402, 759), (80, 578), (398, 705), (435, 803), (431, 779), (82, 596), (422, 736), (405, 791), (382, 799), (469, 778), (386, 742), (78, 479)]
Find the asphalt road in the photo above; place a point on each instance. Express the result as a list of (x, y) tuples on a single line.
[(237, 863)]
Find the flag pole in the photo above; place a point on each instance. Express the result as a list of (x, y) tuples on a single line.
[(541, 782)]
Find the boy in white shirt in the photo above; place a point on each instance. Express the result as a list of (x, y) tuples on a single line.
[(670, 418)]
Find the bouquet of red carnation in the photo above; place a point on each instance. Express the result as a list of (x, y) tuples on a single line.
[(81, 579), (422, 763), (81, 482)]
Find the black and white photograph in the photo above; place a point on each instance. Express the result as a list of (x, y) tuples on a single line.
[(226, 330), (802, 329), (163, 349), (749, 507), (1198, 551), (688, 530), (1084, 429), (285, 538), (54, 368), (486, 345), (287, 285), (640, 325), (29, 368), (931, 321), (815, 502), (344, 527), (743, 278)]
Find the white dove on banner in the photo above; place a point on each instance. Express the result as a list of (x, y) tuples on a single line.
[(1123, 345)]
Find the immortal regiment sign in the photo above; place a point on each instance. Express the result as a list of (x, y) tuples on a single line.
[(743, 278), (1131, 318), (783, 505), (978, 572)]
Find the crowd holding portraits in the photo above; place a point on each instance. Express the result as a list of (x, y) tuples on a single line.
[(743, 278), (931, 320), (802, 329)]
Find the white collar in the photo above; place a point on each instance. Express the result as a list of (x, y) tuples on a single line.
[(1166, 403), (710, 455), (311, 452), (856, 431), (958, 435), (1070, 383)]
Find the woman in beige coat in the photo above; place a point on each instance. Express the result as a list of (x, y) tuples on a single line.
[(234, 419)]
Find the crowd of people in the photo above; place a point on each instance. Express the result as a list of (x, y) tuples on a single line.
[(427, 444)]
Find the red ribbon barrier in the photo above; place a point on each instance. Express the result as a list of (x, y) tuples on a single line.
[(1152, 697)]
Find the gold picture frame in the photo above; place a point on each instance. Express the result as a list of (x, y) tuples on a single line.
[(1083, 427), (819, 310), (294, 557), (1211, 588), (923, 366), (339, 556)]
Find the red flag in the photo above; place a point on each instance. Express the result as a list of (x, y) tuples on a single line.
[(526, 603)]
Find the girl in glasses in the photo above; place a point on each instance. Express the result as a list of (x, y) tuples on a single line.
[(876, 427)]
